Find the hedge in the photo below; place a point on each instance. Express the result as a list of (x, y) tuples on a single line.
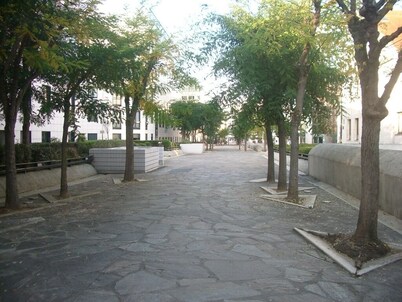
[(52, 151)]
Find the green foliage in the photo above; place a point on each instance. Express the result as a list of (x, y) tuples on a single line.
[(22, 153), (192, 116), (167, 144), (259, 53), (303, 148), (37, 152)]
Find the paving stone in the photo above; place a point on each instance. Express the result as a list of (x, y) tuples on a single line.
[(212, 292), (142, 282), (274, 286), (174, 271), (302, 297), (250, 250), (337, 292), (200, 235), (157, 297), (187, 282), (298, 275), (241, 270), (138, 247), (96, 296)]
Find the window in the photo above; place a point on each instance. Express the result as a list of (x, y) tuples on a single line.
[(71, 136), (184, 98), (152, 136), (116, 100), (92, 136), (136, 136), (399, 122), (45, 136), (137, 120), (349, 137), (357, 128), (116, 136), (146, 123), (146, 136), (116, 126)]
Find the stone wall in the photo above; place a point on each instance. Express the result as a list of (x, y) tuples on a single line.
[(339, 166), (33, 181)]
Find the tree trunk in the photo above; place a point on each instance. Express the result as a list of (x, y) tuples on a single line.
[(66, 125), (304, 68), (293, 190), (12, 200), (282, 179), (271, 154), (366, 230), (129, 167), (26, 105), (245, 144)]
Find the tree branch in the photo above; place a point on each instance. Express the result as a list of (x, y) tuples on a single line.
[(344, 8), (389, 38), (384, 9), (392, 80)]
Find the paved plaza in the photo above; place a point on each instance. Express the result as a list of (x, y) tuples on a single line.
[(195, 230)]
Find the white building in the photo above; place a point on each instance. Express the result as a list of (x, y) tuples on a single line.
[(144, 126)]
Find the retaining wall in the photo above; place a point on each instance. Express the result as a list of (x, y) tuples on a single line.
[(33, 181), (339, 166)]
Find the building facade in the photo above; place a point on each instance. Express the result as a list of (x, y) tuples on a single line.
[(144, 126)]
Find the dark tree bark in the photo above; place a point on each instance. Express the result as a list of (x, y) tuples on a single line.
[(130, 116), (12, 200), (282, 179), (66, 125), (26, 107), (304, 68), (271, 154)]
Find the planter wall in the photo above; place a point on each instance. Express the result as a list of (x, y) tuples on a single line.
[(113, 160), (339, 166), (196, 148)]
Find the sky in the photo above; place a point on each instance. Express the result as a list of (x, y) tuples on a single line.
[(176, 17)]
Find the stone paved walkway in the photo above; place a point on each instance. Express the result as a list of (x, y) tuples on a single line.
[(197, 230)]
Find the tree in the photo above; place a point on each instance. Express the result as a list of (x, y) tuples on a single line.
[(260, 53), (187, 116), (212, 117), (27, 42), (242, 125), (72, 87), (304, 70), (363, 25), (144, 64)]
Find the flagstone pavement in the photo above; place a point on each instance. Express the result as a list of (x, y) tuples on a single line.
[(194, 230)]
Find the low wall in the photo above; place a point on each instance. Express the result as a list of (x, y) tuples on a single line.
[(339, 166), (113, 160), (33, 181)]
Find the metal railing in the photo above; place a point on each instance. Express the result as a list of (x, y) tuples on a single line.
[(47, 164)]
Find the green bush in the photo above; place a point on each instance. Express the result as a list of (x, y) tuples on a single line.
[(167, 144), (305, 148)]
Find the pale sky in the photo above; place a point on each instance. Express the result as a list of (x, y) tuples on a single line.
[(174, 15)]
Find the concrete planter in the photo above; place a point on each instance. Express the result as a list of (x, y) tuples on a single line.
[(113, 160), (195, 148)]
